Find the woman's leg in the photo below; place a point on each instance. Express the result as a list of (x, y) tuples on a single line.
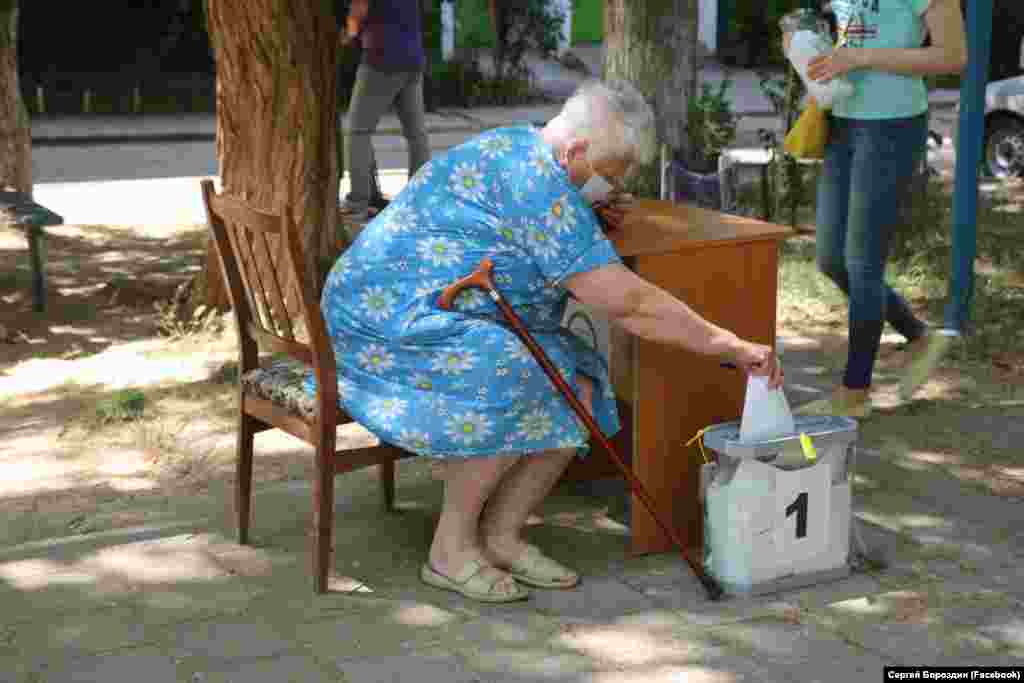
[(885, 156), (833, 224), (524, 487), (833, 205), (468, 485), (411, 114), (372, 95)]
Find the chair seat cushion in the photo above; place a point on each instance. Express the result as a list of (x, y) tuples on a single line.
[(281, 381)]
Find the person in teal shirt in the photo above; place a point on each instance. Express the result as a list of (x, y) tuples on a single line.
[(877, 139)]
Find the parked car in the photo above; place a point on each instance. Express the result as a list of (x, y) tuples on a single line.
[(1004, 97), (1004, 127)]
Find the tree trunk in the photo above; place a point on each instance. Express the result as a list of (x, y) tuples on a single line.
[(653, 44), (15, 128), (277, 118)]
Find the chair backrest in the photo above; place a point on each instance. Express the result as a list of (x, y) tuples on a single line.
[(261, 261)]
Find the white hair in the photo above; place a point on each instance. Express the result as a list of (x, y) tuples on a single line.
[(614, 117)]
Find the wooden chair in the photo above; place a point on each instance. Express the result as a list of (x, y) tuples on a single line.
[(261, 259)]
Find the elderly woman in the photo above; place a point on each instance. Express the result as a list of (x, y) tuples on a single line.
[(458, 385)]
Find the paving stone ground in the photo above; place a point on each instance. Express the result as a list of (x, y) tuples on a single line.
[(184, 602)]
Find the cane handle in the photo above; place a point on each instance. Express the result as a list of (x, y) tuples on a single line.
[(481, 277)]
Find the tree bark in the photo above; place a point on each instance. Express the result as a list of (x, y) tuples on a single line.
[(653, 44), (277, 118), (15, 128)]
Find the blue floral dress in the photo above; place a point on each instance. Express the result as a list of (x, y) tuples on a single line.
[(460, 383)]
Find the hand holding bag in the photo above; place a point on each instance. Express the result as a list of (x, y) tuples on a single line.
[(809, 135)]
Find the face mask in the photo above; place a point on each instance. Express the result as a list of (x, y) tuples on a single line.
[(596, 189)]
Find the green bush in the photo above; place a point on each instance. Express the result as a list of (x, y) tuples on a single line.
[(463, 84), (473, 27), (522, 26), (710, 125)]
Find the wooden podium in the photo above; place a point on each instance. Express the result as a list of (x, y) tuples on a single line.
[(726, 268)]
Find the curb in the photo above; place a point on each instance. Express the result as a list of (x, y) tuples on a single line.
[(462, 123), (120, 139), (160, 138)]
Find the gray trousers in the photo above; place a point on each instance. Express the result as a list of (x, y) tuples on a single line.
[(373, 94)]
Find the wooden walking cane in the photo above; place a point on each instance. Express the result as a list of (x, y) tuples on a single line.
[(481, 278)]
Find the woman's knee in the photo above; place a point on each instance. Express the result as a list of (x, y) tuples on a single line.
[(473, 468), (867, 287)]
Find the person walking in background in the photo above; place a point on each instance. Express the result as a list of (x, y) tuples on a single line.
[(390, 74), (877, 139)]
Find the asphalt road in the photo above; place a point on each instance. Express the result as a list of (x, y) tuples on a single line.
[(132, 161), (138, 184)]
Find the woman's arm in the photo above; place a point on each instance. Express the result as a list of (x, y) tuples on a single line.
[(946, 55), (650, 312)]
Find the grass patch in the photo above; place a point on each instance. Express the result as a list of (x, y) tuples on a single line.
[(19, 278), (921, 271), (79, 311), (124, 405), (176, 322), (180, 428)]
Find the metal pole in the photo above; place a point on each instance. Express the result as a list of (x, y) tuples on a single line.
[(37, 257), (968, 157)]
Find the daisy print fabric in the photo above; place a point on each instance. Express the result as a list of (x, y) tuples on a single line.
[(460, 383)]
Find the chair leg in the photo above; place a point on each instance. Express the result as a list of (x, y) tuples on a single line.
[(243, 476), (323, 515), (387, 484)]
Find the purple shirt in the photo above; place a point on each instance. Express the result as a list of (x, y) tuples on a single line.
[(392, 37)]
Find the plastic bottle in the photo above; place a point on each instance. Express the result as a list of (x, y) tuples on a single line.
[(806, 37), (805, 46)]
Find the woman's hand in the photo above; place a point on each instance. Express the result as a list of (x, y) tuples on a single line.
[(837, 63), (759, 360), (350, 32), (612, 211)]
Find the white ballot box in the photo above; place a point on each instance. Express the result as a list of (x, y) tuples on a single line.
[(774, 520)]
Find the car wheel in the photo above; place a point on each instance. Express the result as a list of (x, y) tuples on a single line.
[(1004, 147)]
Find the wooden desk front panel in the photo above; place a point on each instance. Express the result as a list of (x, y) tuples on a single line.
[(677, 393)]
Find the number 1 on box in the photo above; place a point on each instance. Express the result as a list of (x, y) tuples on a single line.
[(803, 514), (799, 506)]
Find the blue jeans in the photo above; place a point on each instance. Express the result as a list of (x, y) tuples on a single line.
[(867, 171)]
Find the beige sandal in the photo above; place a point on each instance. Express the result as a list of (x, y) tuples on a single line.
[(534, 568), (476, 581)]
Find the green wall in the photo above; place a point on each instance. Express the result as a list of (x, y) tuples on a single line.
[(587, 21), (473, 27), (473, 23)]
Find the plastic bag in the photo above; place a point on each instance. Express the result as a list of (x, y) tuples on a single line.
[(807, 138), (805, 46)]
